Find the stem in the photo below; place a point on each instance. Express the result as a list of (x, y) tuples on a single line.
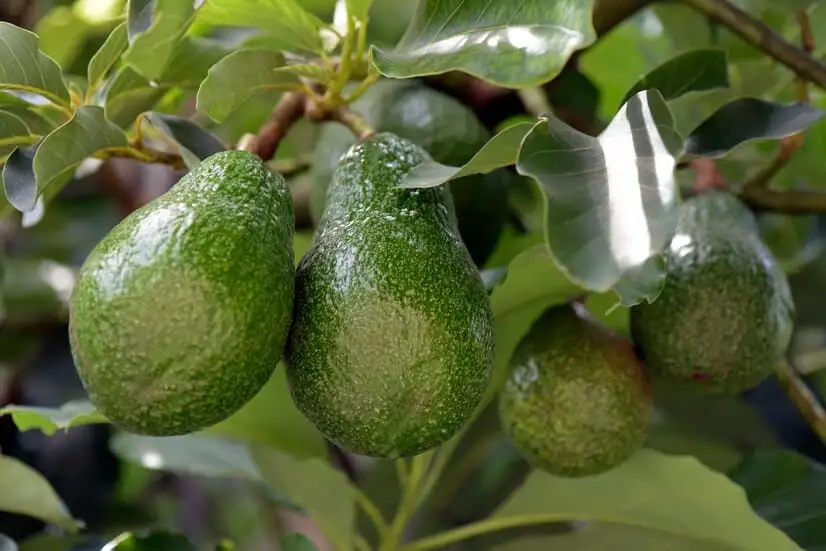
[(759, 35), (361, 44), (370, 510), (803, 398), (480, 528), (363, 86), (442, 458), (353, 121), (175, 161), (411, 484), (343, 74), (795, 201), (289, 109)]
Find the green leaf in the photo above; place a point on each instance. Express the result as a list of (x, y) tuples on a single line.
[(789, 491), (50, 420), (24, 67), (694, 71), (652, 501), (309, 484), (285, 19), (151, 48), (510, 44), (612, 200), (13, 132), (129, 95), (293, 542), (500, 151), (193, 142), (24, 491), (19, 181), (150, 541), (238, 76), (749, 119), (8, 544), (62, 34), (107, 56)]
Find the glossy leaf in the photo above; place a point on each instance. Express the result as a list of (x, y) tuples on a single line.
[(151, 48), (24, 491), (238, 76), (14, 132), (510, 44), (693, 71), (7, 544), (150, 541), (50, 420), (294, 542), (107, 56), (500, 151), (286, 19), (24, 67), (748, 119), (652, 501), (612, 200), (19, 182), (194, 143), (139, 17)]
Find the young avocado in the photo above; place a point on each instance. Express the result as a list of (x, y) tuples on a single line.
[(392, 338), (725, 315), (181, 313), (577, 401), (445, 128)]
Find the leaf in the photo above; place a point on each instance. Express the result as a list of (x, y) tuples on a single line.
[(50, 420), (238, 76), (8, 544), (13, 132), (612, 200), (24, 491), (309, 484), (285, 19), (107, 56), (150, 541), (194, 142), (19, 181), (652, 501), (789, 491), (151, 48), (748, 119), (129, 95), (24, 67), (62, 34), (510, 44), (139, 17), (293, 542), (500, 151), (694, 71)]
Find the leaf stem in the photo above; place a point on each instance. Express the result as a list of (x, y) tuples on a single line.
[(411, 485), (803, 398), (370, 509), (351, 120), (492, 524), (363, 86), (175, 161), (361, 44)]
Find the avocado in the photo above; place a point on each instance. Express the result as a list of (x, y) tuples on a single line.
[(725, 315), (180, 314), (444, 127), (392, 338), (577, 401)]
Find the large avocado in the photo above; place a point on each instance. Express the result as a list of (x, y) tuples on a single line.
[(445, 128), (725, 315), (181, 313), (577, 401), (392, 339)]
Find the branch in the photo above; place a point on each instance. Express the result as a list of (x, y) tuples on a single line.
[(289, 109), (806, 402), (763, 38), (793, 201)]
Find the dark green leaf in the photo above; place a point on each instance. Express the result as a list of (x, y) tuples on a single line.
[(500, 151), (612, 200), (24, 491), (129, 95), (748, 119), (151, 49), (24, 67), (34, 120), (14, 132), (106, 57), (8, 544), (191, 61), (693, 71), (150, 541), (19, 181), (240, 75), (51, 420), (513, 45), (294, 542), (194, 142)]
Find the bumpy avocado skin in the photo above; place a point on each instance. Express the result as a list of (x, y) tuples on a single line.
[(725, 315), (392, 339), (577, 401), (445, 128), (181, 313)]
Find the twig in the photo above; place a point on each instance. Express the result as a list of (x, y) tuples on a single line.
[(289, 109), (803, 398), (763, 37), (351, 120), (793, 201)]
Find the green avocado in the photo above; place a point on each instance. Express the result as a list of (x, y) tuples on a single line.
[(181, 313), (577, 401), (449, 131), (392, 338), (725, 315)]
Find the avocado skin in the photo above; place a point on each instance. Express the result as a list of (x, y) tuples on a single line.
[(392, 338), (181, 313), (577, 401), (725, 315), (449, 131)]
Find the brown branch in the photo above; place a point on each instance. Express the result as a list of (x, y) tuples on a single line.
[(351, 120), (803, 398), (289, 109)]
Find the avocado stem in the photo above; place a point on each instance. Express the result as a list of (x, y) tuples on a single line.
[(804, 400)]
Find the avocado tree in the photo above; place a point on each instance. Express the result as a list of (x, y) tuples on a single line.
[(407, 275)]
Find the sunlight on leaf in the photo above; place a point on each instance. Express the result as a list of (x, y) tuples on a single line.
[(50, 420), (24, 67)]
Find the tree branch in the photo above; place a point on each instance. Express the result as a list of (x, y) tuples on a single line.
[(289, 109), (762, 37), (806, 402)]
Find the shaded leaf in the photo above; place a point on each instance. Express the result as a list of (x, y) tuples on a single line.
[(500, 151), (13, 132), (293, 542), (747, 119), (238, 76), (612, 200), (24, 67), (107, 56), (307, 70), (151, 48), (7, 544), (139, 17), (51, 420), (694, 71), (19, 181), (24, 491), (194, 143), (512, 45), (150, 541)]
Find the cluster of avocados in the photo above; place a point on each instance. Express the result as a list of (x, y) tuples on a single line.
[(182, 312)]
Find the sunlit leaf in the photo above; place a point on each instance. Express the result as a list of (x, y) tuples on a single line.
[(612, 200), (510, 44), (50, 420), (62, 34), (24, 491), (24, 67), (193, 142), (151, 48), (106, 57)]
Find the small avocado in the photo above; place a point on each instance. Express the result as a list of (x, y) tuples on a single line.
[(725, 315), (181, 313), (444, 127), (392, 338), (577, 401)]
